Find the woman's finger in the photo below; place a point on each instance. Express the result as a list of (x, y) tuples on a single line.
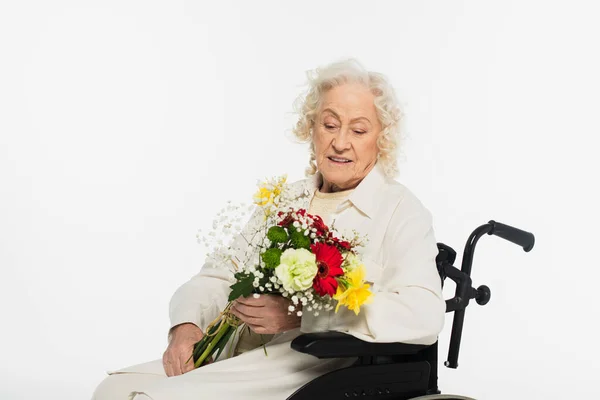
[(261, 330), (250, 320), (174, 363), (250, 311), (167, 366), (177, 367)]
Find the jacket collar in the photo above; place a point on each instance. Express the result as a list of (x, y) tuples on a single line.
[(364, 197)]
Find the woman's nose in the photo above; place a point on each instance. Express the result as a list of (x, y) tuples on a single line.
[(341, 141)]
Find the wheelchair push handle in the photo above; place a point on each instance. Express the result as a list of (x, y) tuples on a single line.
[(524, 239), (464, 291)]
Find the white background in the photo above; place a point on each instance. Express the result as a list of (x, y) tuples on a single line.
[(125, 126)]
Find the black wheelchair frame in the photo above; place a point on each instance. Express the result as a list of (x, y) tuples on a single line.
[(402, 371)]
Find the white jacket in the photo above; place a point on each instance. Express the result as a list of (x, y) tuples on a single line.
[(399, 258)]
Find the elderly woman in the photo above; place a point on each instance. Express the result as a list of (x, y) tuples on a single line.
[(351, 119)]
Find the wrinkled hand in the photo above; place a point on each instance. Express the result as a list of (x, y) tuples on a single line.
[(180, 349), (266, 315)]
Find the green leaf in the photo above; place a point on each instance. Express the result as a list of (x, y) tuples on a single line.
[(242, 288), (223, 342), (240, 275)]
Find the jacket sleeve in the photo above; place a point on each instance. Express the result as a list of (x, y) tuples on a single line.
[(200, 300), (408, 305)]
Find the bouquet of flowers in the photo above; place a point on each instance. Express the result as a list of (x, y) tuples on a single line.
[(299, 257)]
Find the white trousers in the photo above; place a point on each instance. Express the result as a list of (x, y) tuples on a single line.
[(122, 386), (251, 375)]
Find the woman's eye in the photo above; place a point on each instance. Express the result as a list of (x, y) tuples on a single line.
[(329, 126), (359, 132)]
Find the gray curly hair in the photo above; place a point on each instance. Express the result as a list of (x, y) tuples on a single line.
[(337, 73)]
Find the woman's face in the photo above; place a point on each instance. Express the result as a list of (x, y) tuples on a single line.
[(345, 136)]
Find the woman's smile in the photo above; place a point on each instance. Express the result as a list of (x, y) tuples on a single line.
[(339, 160)]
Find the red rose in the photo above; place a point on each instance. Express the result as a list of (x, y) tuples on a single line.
[(329, 261)]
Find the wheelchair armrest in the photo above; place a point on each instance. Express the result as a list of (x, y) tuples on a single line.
[(337, 344)]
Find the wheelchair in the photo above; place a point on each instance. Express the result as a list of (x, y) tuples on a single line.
[(402, 371)]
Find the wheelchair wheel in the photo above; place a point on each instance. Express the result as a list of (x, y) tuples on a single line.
[(442, 397)]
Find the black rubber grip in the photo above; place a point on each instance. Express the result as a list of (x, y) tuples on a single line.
[(514, 235)]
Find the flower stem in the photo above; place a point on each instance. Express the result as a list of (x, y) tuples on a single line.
[(262, 341), (200, 346), (211, 345)]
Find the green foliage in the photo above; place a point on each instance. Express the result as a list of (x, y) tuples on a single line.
[(223, 342), (277, 234), (243, 287), (272, 257), (298, 240)]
